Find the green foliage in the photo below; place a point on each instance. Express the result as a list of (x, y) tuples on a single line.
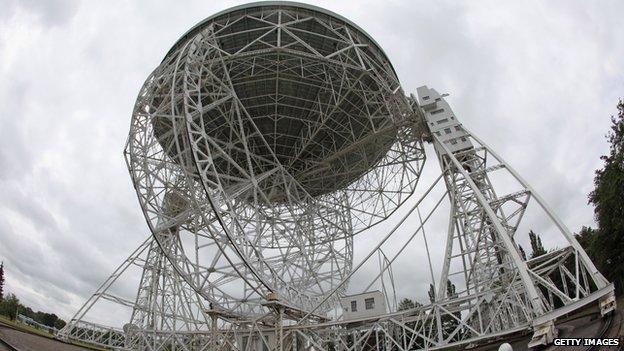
[(536, 245), (408, 304), (1, 281), (431, 293), (606, 245), (451, 322), (522, 253), (11, 306), (586, 238), (450, 289), (405, 339), (59, 323)]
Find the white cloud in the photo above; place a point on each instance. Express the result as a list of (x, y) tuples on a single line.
[(536, 80)]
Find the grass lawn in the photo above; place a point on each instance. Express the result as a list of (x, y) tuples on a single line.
[(24, 328), (31, 330)]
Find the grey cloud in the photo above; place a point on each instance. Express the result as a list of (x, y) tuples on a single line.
[(50, 13), (537, 81)]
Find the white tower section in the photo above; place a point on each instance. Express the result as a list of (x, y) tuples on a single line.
[(502, 290), (268, 137), (442, 122)]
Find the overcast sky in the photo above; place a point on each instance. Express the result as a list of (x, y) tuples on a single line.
[(537, 80)]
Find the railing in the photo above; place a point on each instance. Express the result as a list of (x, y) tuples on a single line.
[(32, 323)]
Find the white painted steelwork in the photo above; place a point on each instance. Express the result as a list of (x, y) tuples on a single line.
[(269, 136)]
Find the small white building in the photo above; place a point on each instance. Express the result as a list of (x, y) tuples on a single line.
[(255, 342), (368, 304)]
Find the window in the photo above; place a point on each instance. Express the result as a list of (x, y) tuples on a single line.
[(457, 128), (443, 120), (426, 97), (435, 112), (370, 303), (353, 306), (447, 130)]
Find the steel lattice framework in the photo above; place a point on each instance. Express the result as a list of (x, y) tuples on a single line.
[(269, 136)]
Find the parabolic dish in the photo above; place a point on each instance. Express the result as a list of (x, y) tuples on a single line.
[(269, 135)]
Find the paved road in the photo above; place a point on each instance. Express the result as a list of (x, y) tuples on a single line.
[(3, 347), (586, 324), (30, 342)]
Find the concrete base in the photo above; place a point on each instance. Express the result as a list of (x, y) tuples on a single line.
[(543, 335)]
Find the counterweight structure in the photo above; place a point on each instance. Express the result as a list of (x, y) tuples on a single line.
[(269, 136)]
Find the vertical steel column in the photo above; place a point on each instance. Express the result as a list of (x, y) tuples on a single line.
[(490, 258)]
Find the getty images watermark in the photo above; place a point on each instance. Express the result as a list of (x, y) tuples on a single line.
[(606, 343), (588, 342)]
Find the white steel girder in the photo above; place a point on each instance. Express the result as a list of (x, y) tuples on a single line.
[(493, 299), (483, 224), (266, 139), (165, 314)]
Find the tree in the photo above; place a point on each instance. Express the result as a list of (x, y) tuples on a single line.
[(406, 338), (536, 245), (522, 253), (48, 319), (607, 197), (408, 304), (586, 238), (431, 293), (9, 305), (1, 281), (59, 324), (450, 322), (450, 289)]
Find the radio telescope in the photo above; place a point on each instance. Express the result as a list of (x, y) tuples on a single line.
[(264, 149), (270, 135)]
